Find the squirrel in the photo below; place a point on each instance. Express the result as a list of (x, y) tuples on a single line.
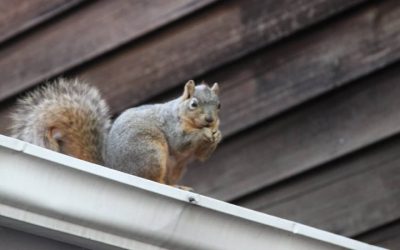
[(67, 116), (157, 141), (151, 141)]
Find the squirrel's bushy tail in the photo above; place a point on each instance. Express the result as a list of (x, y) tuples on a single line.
[(66, 116)]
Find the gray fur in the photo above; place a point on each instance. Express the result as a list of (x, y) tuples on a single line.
[(137, 137)]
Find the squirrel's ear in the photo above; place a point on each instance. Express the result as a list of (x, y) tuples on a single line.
[(215, 88), (189, 90)]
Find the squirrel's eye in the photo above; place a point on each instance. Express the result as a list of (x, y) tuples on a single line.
[(219, 106), (194, 104)]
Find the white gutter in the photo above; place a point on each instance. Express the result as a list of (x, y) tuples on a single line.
[(63, 198)]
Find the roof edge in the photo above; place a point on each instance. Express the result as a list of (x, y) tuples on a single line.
[(114, 210)]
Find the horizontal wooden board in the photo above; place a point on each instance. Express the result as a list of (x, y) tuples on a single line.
[(234, 76), (83, 35), (280, 77), (7, 107), (330, 127), (386, 236), (203, 42), (17, 17), (348, 197)]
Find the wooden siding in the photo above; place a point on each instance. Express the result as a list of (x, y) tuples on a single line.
[(309, 90)]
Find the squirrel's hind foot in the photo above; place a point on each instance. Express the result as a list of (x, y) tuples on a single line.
[(184, 188)]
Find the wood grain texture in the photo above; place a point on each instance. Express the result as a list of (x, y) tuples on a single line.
[(7, 107), (386, 236), (348, 197), (331, 127), (83, 35), (283, 76), (114, 93), (204, 42), (21, 15)]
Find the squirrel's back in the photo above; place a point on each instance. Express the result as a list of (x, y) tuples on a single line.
[(66, 116)]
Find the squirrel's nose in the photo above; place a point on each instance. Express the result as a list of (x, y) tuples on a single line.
[(209, 119)]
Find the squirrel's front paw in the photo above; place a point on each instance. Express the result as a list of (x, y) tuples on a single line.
[(212, 135), (217, 136), (211, 138), (208, 135)]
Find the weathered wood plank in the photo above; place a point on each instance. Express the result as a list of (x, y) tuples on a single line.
[(87, 33), (348, 197), (357, 45), (386, 236), (7, 107), (19, 16), (111, 88), (331, 127), (280, 77), (202, 43), (308, 65)]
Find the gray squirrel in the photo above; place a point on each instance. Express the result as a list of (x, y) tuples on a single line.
[(158, 141), (152, 141)]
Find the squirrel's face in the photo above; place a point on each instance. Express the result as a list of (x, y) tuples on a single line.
[(201, 105)]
